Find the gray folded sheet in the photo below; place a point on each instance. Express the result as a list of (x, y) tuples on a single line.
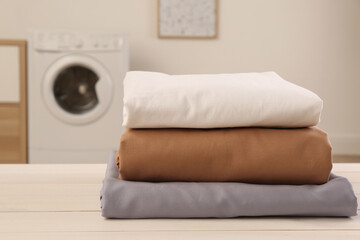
[(126, 199)]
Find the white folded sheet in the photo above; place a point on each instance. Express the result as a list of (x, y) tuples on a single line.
[(157, 100)]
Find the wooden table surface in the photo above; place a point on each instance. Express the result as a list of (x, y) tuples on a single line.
[(62, 202)]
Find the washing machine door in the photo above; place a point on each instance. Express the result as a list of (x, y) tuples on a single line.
[(77, 89)]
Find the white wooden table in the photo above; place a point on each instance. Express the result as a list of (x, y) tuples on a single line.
[(62, 202)]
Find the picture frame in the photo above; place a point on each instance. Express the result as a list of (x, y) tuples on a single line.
[(188, 19)]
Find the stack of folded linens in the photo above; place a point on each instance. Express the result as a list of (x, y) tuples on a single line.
[(223, 145)]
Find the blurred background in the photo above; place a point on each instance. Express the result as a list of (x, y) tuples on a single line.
[(314, 44)]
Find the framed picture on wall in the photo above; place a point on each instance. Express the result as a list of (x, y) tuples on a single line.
[(187, 18)]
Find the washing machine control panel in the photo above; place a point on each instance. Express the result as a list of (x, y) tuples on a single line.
[(76, 41)]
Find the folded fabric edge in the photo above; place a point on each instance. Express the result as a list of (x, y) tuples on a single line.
[(111, 177)]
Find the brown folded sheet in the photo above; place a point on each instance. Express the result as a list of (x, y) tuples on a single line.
[(250, 155)]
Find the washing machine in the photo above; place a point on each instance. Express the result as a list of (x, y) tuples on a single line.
[(75, 94)]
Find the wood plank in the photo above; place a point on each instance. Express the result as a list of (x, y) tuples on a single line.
[(9, 121), (80, 173), (351, 176), (31, 176), (356, 187), (52, 174), (83, 168), (10, 156), (59, 197), (9, 110), (23, 102), (92, 221), (177, 235), (346, 158), (9, 127), (49, 197), (60, 187), (9, 149), (18, 126), (94, 173), (69, 195), (12, 42), (346, 167), (9, 143)]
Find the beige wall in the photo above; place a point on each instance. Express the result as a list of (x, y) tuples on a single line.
[(313, 43)]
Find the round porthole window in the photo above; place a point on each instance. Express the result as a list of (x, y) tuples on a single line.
[(77, 89), (74, 89)]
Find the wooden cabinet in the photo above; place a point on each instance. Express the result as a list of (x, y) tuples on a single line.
[(13, 103)]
